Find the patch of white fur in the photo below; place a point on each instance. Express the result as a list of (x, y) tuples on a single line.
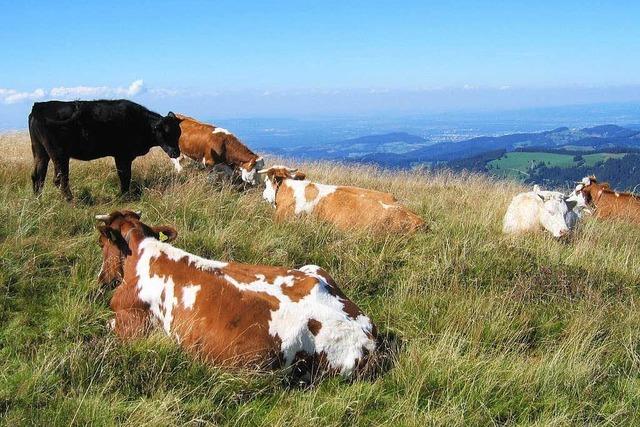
[(341, 338), (302, 205), (269, 192), (251, 176), (167, 305), (176, 163), (156, 291), (384, 205), (536, 209), (221, 130), (189, 294)]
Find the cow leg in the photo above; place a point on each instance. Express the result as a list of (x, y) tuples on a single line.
[(56, 176), (124, 173), (61, 165), (39, 173), (40, 165)]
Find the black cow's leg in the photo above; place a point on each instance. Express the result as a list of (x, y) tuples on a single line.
[(56, 176), (124, 173), (40, 165), (61, 165)]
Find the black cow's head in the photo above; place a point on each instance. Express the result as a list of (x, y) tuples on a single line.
[(167, 133)]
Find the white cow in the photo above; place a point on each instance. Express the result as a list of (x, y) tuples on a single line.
[(537, 209)]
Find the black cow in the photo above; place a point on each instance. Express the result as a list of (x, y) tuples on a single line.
[(87, 130)]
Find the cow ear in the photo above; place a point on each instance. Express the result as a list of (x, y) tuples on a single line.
[(165, 233), (110, 233), (299, 176), (571, 204), (171, 115)]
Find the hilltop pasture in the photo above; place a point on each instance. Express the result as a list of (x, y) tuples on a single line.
[(492, 329), (516, 164)]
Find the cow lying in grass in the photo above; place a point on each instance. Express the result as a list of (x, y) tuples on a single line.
[(549, 210), (607, 202), (346, 207), (218, 148), (229, 313)]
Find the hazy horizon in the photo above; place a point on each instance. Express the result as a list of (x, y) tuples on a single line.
[(249, 59)]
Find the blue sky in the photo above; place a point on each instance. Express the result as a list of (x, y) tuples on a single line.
[(245, 58)]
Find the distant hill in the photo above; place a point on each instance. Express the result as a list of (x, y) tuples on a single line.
[(357, 148), (587, 139)]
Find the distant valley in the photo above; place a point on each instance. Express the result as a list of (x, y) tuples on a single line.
[(555, 158)]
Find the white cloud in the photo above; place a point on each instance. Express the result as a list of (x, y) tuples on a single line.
[(12, 96), (76, 92)]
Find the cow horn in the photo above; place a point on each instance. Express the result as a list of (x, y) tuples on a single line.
[(262, 171), (139, 213), (103, 218), (292, 170)]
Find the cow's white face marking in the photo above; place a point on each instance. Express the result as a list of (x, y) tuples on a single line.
[(251, 176), (578, 197), (552, 216), (221, 130), (302, 205), (176, 163), (189, 296), (248, 176), (269, 193), (342, 339)]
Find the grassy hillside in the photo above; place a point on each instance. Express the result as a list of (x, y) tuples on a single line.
[(495, 330), (516, 164)]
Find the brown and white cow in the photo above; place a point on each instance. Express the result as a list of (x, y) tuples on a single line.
[(607, 202), (229, 313), (346, 207), (216, 147)]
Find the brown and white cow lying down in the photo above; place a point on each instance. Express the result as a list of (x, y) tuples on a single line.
[(609, 203), (346, 207), (216, 147), (229, 313)]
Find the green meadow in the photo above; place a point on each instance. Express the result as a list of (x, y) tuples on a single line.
[(491, 330), (516, 164)]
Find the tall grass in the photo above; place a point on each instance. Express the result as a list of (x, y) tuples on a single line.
[(496, 330)]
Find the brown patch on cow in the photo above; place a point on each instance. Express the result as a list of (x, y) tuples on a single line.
[(314, 326), (310, 192), (285, 202), (610, 204), (300, 288), (198, 142), (351, 207)]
